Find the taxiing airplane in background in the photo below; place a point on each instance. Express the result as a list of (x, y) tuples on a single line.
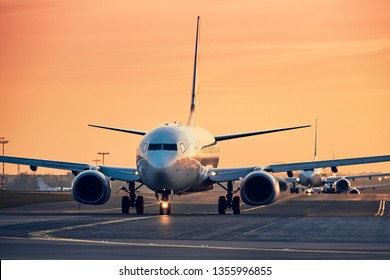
[(315, 180), (43, 187), (181, 159)]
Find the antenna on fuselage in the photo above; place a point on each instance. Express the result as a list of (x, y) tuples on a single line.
[(192, 121)]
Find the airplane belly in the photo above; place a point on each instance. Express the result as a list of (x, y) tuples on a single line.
[(317, 180), (177, 177), (309, 179)]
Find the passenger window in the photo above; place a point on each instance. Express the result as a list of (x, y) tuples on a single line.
[(182, 148)]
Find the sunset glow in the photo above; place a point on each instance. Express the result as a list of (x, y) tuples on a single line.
[(263, 64)]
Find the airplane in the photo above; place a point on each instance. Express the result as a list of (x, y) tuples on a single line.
[(315, 180), (176, 159), (352, 190), (43, 187)]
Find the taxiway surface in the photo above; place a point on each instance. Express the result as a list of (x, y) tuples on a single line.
[(295, 227)]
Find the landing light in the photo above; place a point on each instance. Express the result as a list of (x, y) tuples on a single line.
[(213, 173), (164, 205)]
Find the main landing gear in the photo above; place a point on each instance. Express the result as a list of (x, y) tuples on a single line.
[(131, 200), (228, 201), (294, 189)]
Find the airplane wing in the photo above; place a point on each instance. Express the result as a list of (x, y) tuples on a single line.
[(232, 174), (229, 174), (333, 179), (361, 188), (324, 163), (114, 173)]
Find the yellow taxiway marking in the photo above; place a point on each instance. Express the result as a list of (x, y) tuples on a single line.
[(381, 209)]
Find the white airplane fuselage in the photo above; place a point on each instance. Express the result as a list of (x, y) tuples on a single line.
[(176, 157), (310, 178)]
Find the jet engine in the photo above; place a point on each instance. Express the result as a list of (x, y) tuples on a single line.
[(259, 188), (91, 187), (354, 191), (342, 185)]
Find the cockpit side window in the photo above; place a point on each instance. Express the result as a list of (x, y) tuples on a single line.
[(145, 147)]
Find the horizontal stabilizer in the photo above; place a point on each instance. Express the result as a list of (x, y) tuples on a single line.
[(119, 129), (247, 134)]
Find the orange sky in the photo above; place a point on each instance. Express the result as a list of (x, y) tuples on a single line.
[(263, 65)]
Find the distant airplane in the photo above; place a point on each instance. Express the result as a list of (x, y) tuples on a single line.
[(314, 180), (43, 187), (181, 159), (352, 190)]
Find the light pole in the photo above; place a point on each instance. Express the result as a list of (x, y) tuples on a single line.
[(3, 141), (103, 154), (96, 161)]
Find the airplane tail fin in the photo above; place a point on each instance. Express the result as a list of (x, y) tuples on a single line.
[(316, 142), (42, 185), (193, 111)]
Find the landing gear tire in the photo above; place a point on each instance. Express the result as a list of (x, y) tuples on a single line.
[(236, 205), (222, 205), (125, 205), (169, 209), (140, 205)]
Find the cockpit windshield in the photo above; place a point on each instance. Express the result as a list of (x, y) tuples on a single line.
[(165, 147)]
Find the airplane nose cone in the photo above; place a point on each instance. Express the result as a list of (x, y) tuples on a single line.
[(161, 161), (161, 170)]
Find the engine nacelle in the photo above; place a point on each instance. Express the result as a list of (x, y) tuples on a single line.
[(354, 191), (91, 187), (259, 188), (342, 185)]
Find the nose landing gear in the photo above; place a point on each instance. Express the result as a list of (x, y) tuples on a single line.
[(132, 200), (228, 201), (164, 205)]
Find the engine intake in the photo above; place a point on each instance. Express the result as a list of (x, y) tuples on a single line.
[(342, 185), (91, 187), (259, 188), (354, 191)]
